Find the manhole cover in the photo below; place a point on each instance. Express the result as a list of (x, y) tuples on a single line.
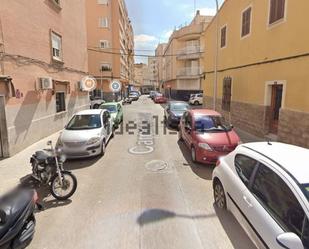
[(156, 165)]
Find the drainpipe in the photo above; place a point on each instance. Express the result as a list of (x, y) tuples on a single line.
[(216, 58)]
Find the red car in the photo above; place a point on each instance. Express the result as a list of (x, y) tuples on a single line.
[(207, 135), (160, 99)]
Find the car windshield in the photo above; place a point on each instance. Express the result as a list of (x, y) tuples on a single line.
[(110, 108), (179, 107), (205, 123), (84, 122)]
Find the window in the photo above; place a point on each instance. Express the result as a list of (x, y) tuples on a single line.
[(104, 44), (245, 166), (223, 37), (60, 101), (246, 22), (227, 94), (106, 67), (103, 22), (102, 1), (56, 46), (278, 200), (277, 9)]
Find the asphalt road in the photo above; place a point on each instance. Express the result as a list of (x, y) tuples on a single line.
[(128, 199)]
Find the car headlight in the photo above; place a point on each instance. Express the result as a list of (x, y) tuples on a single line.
[(205, 146), (93, 140)]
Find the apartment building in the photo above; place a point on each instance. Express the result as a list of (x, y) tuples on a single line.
[(110, 44), (152, 73), (184, 56), (140, 70), (160, 65), (43, 57), (263, 63)]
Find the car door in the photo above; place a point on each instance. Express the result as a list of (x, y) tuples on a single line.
[(272, 207), (107, 124), (167, 111), (119, 112), (188, 129)]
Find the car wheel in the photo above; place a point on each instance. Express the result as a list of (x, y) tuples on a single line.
[(219, 195), (193, 154), (196, 102), (96, 106), (103, 148)]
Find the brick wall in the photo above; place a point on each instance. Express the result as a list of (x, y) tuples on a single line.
[(251, 118), (294, 127)]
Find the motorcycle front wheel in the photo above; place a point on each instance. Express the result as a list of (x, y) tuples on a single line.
[(65, 190)]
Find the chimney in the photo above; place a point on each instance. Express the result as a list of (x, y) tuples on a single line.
[(198, 12)]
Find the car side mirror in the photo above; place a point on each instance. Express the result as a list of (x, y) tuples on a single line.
[(290, 241)]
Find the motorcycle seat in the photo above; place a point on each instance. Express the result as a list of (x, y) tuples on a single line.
[(12, 207)]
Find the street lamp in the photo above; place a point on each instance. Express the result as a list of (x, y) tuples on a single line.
[(216, 57)]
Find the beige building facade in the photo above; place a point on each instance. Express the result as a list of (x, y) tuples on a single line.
[(110, 43), (43, 58), (184, 55), (263, 63), (160, 65)]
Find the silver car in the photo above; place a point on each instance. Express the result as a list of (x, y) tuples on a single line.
[(86, 134)]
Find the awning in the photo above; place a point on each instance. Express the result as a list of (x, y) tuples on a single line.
[(9, 85)]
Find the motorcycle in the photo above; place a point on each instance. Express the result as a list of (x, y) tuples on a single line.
[(47, 168), (17, 221)]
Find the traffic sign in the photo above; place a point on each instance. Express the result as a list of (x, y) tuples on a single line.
[(115, 86)]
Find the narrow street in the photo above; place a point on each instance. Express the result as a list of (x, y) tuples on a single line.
[(127, 200)]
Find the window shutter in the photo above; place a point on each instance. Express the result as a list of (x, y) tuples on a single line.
[(277, 10), (227, 94)]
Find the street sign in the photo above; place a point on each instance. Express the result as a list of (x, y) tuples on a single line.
[(115, 86), (88, 84)]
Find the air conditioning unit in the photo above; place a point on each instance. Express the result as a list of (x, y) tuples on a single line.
[(46, 83)]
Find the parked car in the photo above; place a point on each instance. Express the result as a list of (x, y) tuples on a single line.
[(160, 98), (266, 186), (86, 134), (196, 99), (126, 100), (96, 102), (134, 96), (116, 112), (152, 94), (174, 111), (207, 135)]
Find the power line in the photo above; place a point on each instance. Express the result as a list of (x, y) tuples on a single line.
[(99, 50)]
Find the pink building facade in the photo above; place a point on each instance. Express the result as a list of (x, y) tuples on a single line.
[(43, 58)]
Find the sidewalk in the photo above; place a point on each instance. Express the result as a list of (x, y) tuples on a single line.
[(246, 137), (18, 166)]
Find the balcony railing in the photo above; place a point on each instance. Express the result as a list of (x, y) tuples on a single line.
[(190, 52), (189, 72)]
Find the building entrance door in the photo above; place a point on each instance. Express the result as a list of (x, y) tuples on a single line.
[(276, 103)]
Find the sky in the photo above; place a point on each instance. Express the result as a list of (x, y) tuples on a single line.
[(154, 21)]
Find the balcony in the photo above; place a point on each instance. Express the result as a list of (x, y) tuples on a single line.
[(189, 72), (190, 52)]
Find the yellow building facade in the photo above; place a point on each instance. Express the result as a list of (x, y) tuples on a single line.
[(263, 59)]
